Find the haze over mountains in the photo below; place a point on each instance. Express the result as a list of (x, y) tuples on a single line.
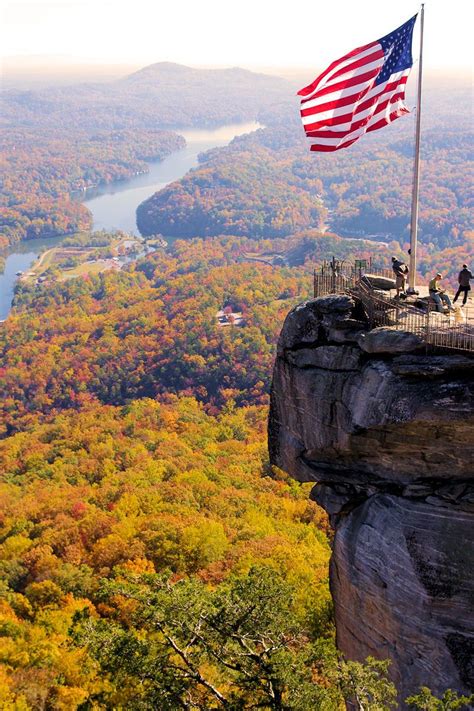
[(167, 94), (164, 94)]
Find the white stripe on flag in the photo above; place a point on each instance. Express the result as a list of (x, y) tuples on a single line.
[(355, 114)]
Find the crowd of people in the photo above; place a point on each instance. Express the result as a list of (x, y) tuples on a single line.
[(437, 294)]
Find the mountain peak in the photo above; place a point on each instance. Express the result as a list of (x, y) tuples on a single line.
[(165, 71)]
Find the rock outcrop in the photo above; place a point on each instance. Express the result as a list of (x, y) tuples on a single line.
[(386, 433)]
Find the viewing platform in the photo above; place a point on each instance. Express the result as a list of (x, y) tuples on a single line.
[(374, 289)]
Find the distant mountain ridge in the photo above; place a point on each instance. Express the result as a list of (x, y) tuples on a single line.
[(159, 95), (172, 70)]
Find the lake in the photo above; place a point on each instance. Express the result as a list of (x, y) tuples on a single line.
[(113, 206), (19, 259)]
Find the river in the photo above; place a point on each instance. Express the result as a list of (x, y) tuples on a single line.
[(113, 206)]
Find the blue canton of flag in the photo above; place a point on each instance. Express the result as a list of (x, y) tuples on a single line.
[(397, 51)]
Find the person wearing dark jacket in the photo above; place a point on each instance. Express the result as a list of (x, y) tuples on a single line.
[(400, 270), (465, 275)]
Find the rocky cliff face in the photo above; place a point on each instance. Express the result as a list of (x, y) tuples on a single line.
[(386, 433)]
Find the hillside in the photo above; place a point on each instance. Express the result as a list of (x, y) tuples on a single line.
[(147, 331), (135, 490), (45, 172), (152, 328), (143, 494)]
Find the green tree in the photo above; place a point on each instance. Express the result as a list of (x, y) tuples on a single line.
[(449, 701), (236, 647), (366, 685)]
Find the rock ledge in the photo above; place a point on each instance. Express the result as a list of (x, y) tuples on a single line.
[(386, 433)]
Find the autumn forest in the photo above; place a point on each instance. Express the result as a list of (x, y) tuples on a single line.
[(150, 556)]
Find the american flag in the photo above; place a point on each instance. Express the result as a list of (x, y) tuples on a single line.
[(362, 91)]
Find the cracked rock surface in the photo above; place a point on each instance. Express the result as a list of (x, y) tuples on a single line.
[(386, 433)]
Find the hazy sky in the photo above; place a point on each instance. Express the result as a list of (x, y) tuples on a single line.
[(250, 33)]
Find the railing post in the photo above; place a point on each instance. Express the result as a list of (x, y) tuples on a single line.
[(427, 325)]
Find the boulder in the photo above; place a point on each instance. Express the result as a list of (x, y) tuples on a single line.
[(301, 326), (334, 303), (403, 565), (378, 282), (387, 339)]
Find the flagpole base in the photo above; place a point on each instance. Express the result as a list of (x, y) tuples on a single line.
[(411, 291)]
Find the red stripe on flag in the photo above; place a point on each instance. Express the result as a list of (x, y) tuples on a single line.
[(339, 134), (390, 87), (358, 63), (358, 108), (344, 84), (358, 124), (344, 101), (384, 122), (320, 108), (330, 149), (311, 87)]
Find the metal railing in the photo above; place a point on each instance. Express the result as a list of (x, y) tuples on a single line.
[(453, 331), (338, 277)]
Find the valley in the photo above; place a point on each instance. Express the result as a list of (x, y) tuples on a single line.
[(153, 555), (112, 206)]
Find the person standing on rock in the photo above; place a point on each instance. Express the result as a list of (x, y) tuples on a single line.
[(400, 270), (438, 295), (464, 277)]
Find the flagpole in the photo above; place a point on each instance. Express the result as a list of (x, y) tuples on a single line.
[(416, 172)]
